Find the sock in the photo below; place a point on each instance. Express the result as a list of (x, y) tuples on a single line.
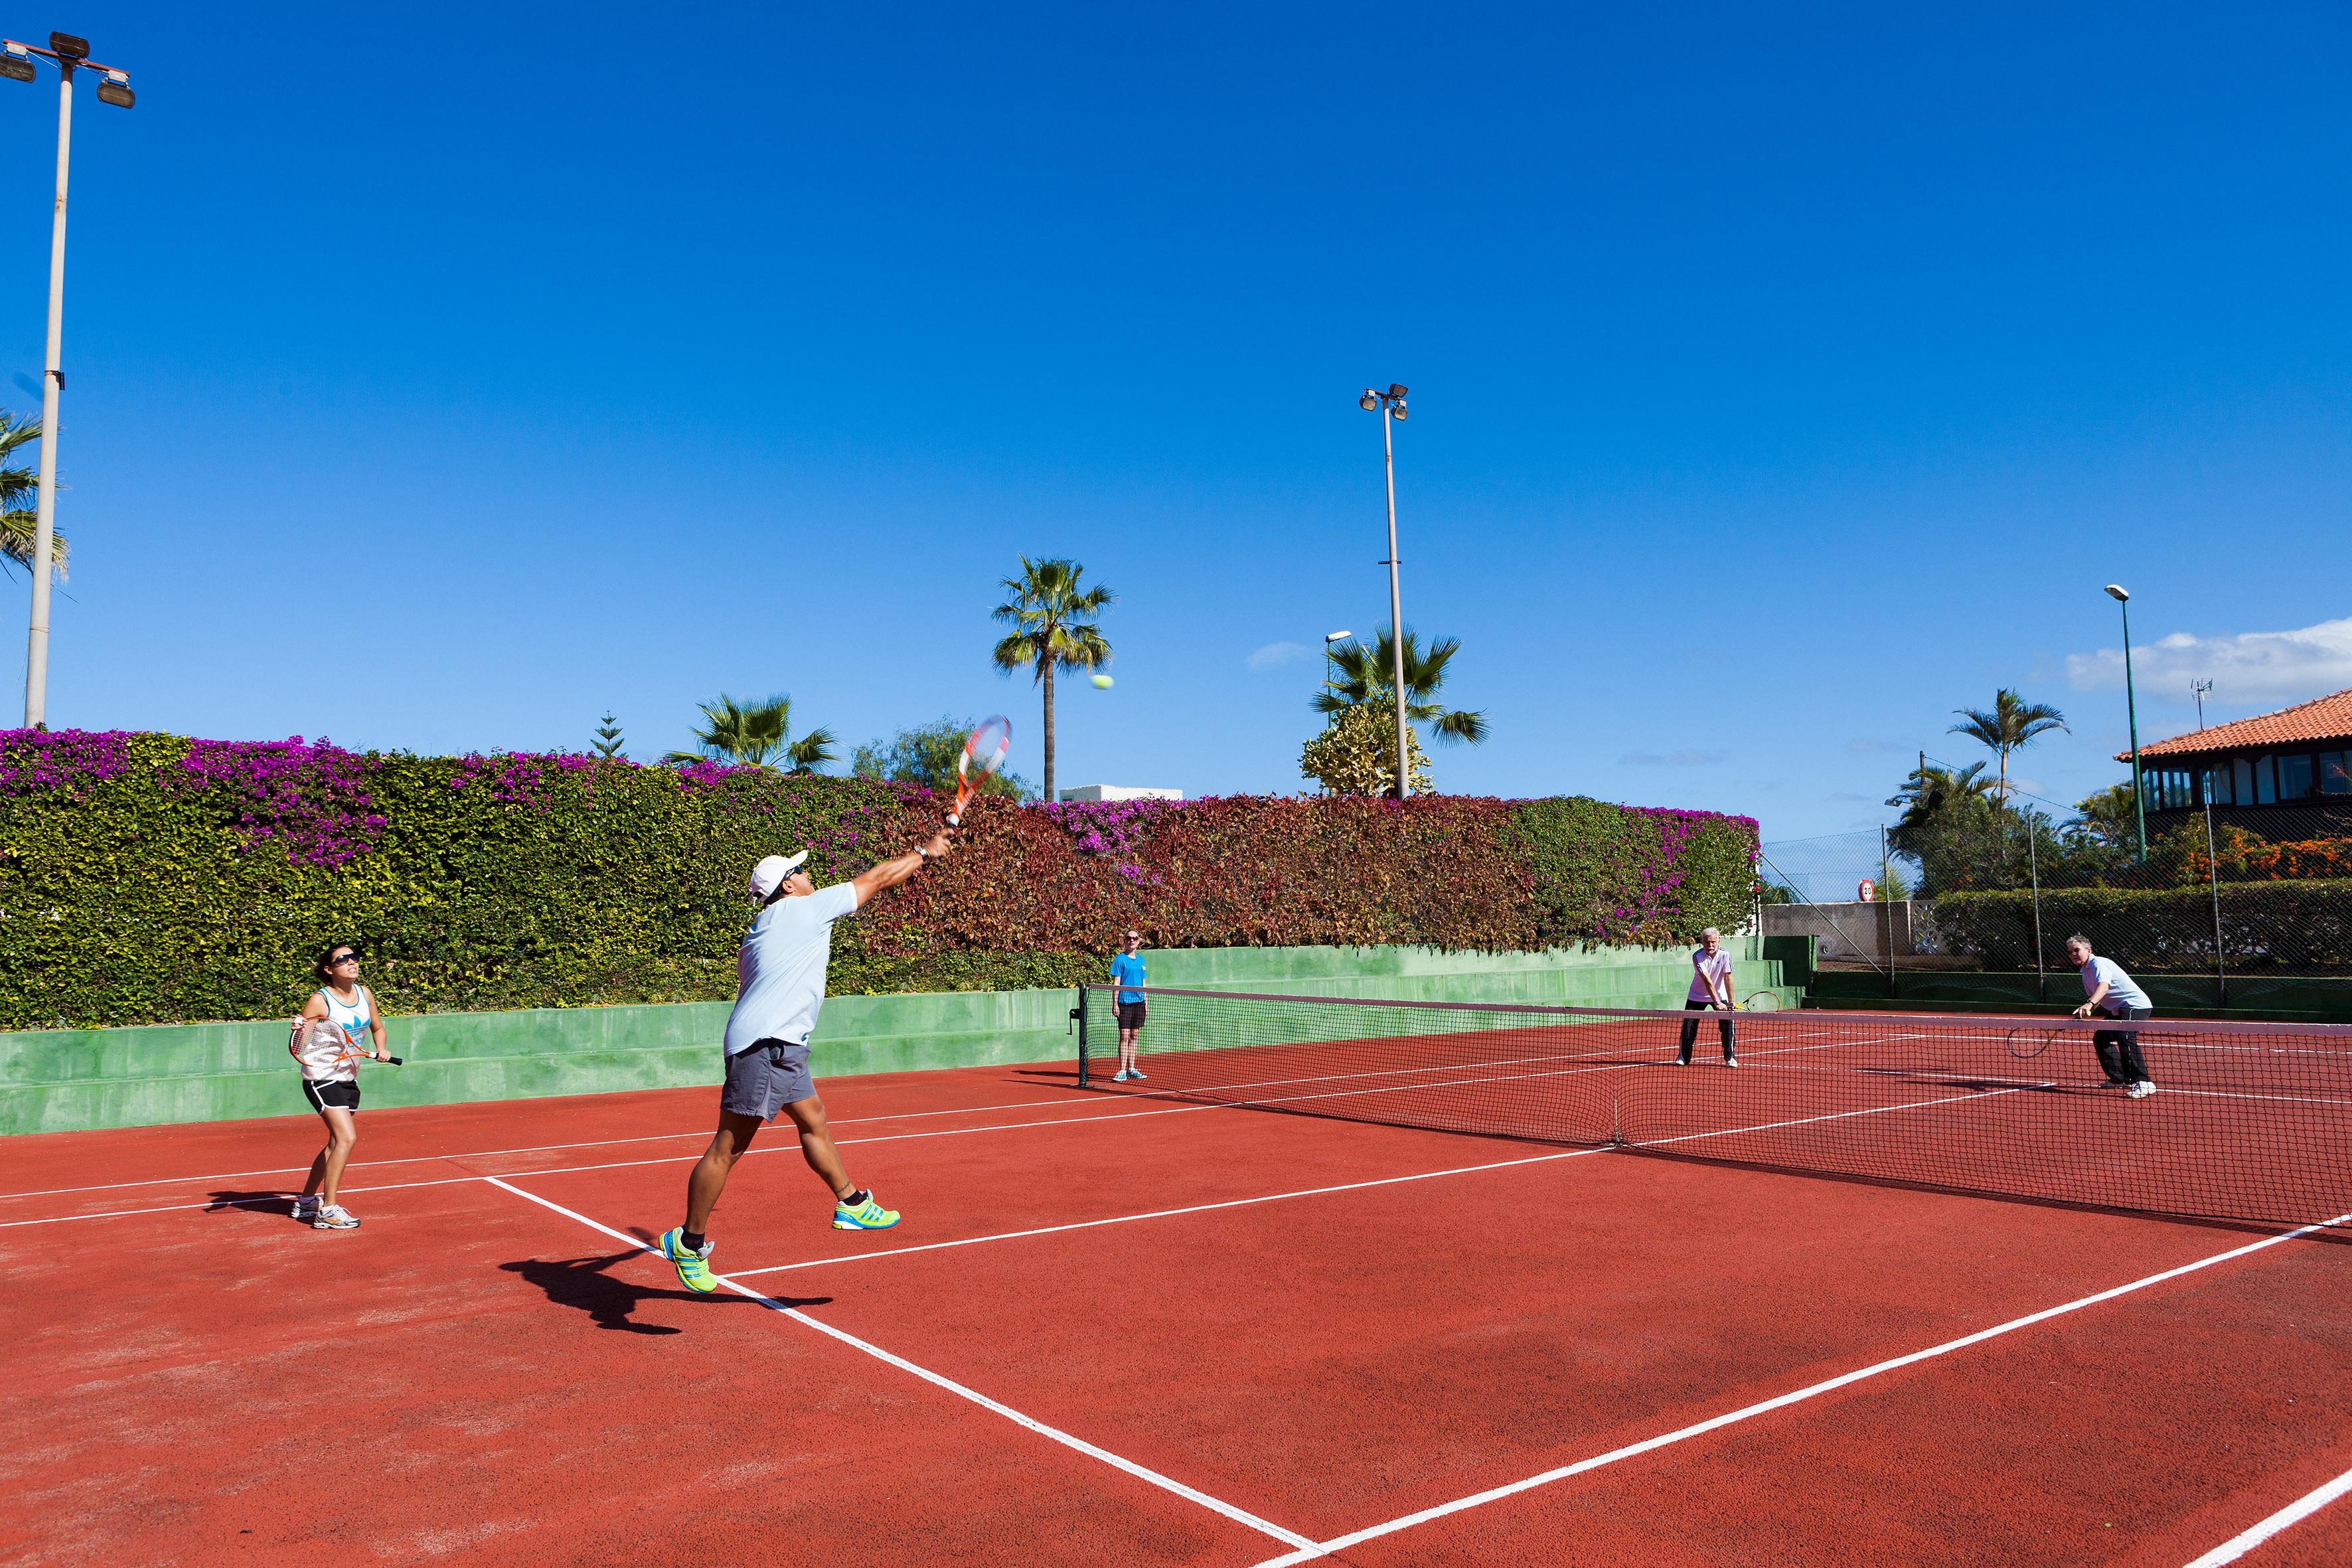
[(853, 1199), (692, 1240)]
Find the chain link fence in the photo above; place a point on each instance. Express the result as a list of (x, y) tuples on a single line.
[(1988, 886)]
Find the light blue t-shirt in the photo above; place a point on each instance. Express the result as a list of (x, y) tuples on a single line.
[(2121, 992), (1126, 970), (780, 974)]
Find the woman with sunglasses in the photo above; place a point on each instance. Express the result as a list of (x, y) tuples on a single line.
[(328, 1082)]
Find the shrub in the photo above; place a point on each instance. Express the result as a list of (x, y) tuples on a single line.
[(148, 879), (2281, 926)]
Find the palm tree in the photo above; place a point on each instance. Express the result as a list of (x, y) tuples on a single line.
[(17, 486), (1364, 680), (758, 732), (1054, 628), (2014, 722), (1932, 792)]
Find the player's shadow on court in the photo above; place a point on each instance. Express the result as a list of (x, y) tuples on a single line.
[(587, 1285), (251, 1203)]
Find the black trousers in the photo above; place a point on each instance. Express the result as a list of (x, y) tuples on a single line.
[(2119, 1050), (1690, 1030)]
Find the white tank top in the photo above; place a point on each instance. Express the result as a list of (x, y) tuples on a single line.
[(320, 1047)]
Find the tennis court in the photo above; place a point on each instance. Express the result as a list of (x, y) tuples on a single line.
[(1155, 1323)]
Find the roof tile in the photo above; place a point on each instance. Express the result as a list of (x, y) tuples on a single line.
[(2321, 719)]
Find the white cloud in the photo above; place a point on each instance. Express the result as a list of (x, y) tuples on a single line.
[(2249, 668), (1279, 652), (1685, 758)]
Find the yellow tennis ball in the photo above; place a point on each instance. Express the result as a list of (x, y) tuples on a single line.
[(1103, 682)]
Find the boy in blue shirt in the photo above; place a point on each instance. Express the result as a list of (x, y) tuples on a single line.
[(1125, 971)]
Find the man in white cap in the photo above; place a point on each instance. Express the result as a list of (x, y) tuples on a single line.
[(779, 981)]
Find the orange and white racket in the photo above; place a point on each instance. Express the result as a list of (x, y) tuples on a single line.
[(983, 753), (326, 1049)]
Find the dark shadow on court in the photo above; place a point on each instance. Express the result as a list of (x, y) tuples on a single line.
[(228, 1202), (587, 1285)]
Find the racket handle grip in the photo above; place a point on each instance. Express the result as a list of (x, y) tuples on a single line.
[(955, 820), (393, 1060)]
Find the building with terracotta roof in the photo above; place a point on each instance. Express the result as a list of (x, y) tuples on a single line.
[(2286, 775)]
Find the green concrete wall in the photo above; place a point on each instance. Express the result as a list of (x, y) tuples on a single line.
[(64, 1079)]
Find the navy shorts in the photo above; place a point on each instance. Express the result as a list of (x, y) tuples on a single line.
[(764, 1079), (1131, 1014), (344, 1094)]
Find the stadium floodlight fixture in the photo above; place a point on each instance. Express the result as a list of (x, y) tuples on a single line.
[(68, 54), (1336, 637), (1390, 405), (2117, 591)]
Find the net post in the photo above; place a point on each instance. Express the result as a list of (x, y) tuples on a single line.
[(1079, 1013)]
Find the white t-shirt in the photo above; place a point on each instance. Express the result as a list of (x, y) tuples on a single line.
[(2121, 992), (780, 974), (1716, 969)]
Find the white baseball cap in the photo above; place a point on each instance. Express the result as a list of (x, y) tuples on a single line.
[(770, 874)]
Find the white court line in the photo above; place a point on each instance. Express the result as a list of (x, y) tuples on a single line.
[(1168, 1213), (1344, 1187), (1141, 1472), (531, 1149), (2303, 1508), (1782, 1402)]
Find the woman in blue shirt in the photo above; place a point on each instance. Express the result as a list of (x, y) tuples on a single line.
[(1125, 971)]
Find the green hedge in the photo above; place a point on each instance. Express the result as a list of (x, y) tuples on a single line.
[(148, 878), (2274, 927)]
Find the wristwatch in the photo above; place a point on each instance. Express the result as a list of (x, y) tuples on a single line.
[(924, 853)]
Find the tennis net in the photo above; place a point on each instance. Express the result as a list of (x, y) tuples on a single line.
[(2247, 1122)]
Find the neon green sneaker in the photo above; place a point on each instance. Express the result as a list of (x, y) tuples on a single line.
[(693, 1267), (867, 1216)]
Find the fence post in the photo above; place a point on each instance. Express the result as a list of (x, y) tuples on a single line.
[(2034, 872), (1887, 914), (2213, 880)]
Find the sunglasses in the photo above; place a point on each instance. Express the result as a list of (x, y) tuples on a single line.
[(342, 958)]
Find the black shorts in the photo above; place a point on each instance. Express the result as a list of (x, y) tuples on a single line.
[(1131, 1014), (344, 1095)]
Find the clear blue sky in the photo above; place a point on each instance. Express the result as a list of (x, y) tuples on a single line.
[(1781, 381)]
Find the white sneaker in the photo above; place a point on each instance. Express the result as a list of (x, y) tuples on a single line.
[(334, 1217), (1135, 1073), (1731, 1061), (2141, 1090), (306, 1207), (1121, 1076)]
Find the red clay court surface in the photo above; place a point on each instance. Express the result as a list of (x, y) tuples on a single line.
[(1120, 1331)]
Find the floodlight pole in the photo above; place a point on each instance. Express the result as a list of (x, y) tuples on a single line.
[(66, 53), (1393, 407), (2131, 708)]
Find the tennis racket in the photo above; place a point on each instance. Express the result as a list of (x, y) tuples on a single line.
[(1761, 1002), (983, 753), (2028, 1041), (325, 1048)]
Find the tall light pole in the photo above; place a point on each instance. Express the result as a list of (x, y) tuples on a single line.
[(68, 54), (2131, 707), (1332, 641), (1390, 405)]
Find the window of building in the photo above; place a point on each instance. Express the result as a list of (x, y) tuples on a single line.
[(2295, 778), (2265, 782), (2335, 772), (2245, 772), (2217, 784)]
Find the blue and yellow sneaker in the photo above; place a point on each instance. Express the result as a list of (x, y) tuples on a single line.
[(693, 1267), (866, 1215)]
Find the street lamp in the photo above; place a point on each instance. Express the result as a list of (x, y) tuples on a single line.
[(2131, 707), (1390, 405), (68, 54), (1332, 641)]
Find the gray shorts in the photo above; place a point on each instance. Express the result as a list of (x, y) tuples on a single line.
[(762, 1081)]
